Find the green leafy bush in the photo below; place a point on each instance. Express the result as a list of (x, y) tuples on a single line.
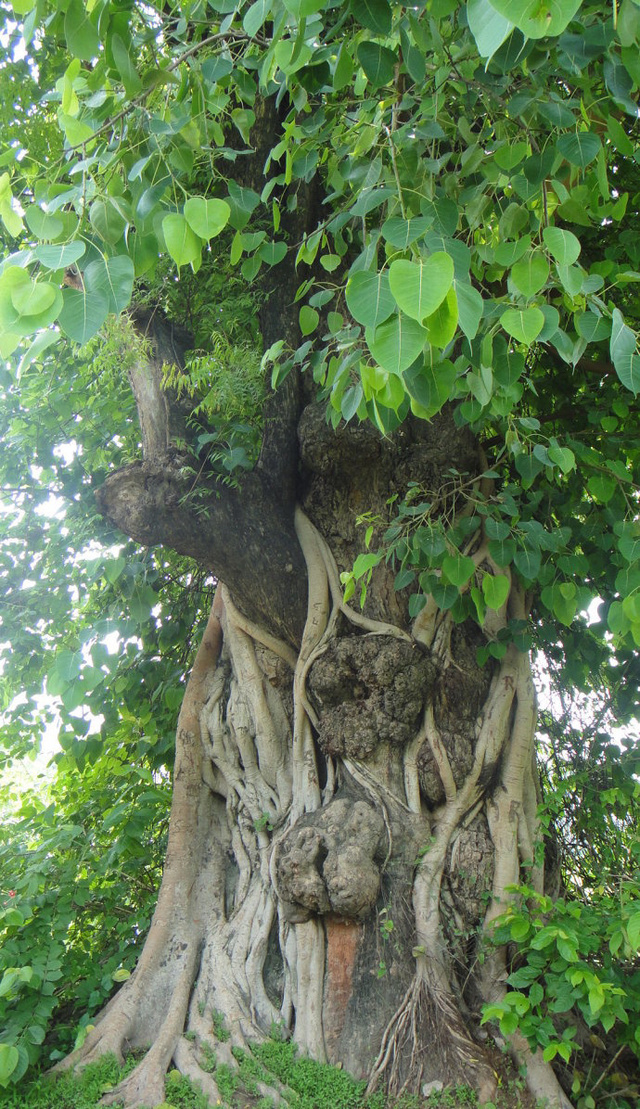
[(67, 1091), (571, 956), (80, 866)]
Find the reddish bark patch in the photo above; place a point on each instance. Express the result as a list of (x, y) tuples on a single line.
[(343, 940)]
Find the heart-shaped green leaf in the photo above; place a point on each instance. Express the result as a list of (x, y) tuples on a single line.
[(206, 217), (369, 298), (420, 287), (396, 343), (579, 147), (441, 325), (378, 63), (113, 278), (458, 569), (33, 298), (562, 245), (60, 256), (9, 1059), (183, 244), (82, 315), (523, 324), (495, 590), (537, 20), (530, 273)]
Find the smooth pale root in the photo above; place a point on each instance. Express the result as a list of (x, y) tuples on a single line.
[(206, 217), (396, 343), (523, 324), (420, 287)]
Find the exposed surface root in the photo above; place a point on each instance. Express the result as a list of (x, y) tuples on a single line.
[(187, 1062), (146, 1081), (425, 1031)]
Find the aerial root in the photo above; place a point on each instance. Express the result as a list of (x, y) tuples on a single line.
[(423, 1018), (144, 1087), (541, 1080)]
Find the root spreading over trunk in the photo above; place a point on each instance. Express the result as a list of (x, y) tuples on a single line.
[(304, 860)]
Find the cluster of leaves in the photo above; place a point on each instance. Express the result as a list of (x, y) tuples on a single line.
[(591, 795), (227, 385), (573, 957), (313, 1083), (461, 258), (306, 1087), (68, 1091), (575, 960), (80, 901)]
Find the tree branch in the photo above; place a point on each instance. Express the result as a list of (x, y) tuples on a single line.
[(243, 536)]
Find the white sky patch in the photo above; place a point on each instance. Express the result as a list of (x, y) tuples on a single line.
[(53, 508)]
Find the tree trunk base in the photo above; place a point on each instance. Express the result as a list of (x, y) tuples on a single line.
[(304, 882)]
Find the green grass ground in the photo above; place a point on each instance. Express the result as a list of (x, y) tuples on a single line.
[(303, 1083)]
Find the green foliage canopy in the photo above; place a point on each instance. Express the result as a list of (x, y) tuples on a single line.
[(479, 169)]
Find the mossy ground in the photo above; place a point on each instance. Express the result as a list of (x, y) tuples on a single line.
[(303, 1083)]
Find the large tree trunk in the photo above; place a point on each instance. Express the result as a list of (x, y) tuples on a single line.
[(353, 794)]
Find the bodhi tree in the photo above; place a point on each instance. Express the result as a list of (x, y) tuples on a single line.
[(428, 216)]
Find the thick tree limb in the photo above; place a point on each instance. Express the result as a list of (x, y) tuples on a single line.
[(246, 535), (242, 536)]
